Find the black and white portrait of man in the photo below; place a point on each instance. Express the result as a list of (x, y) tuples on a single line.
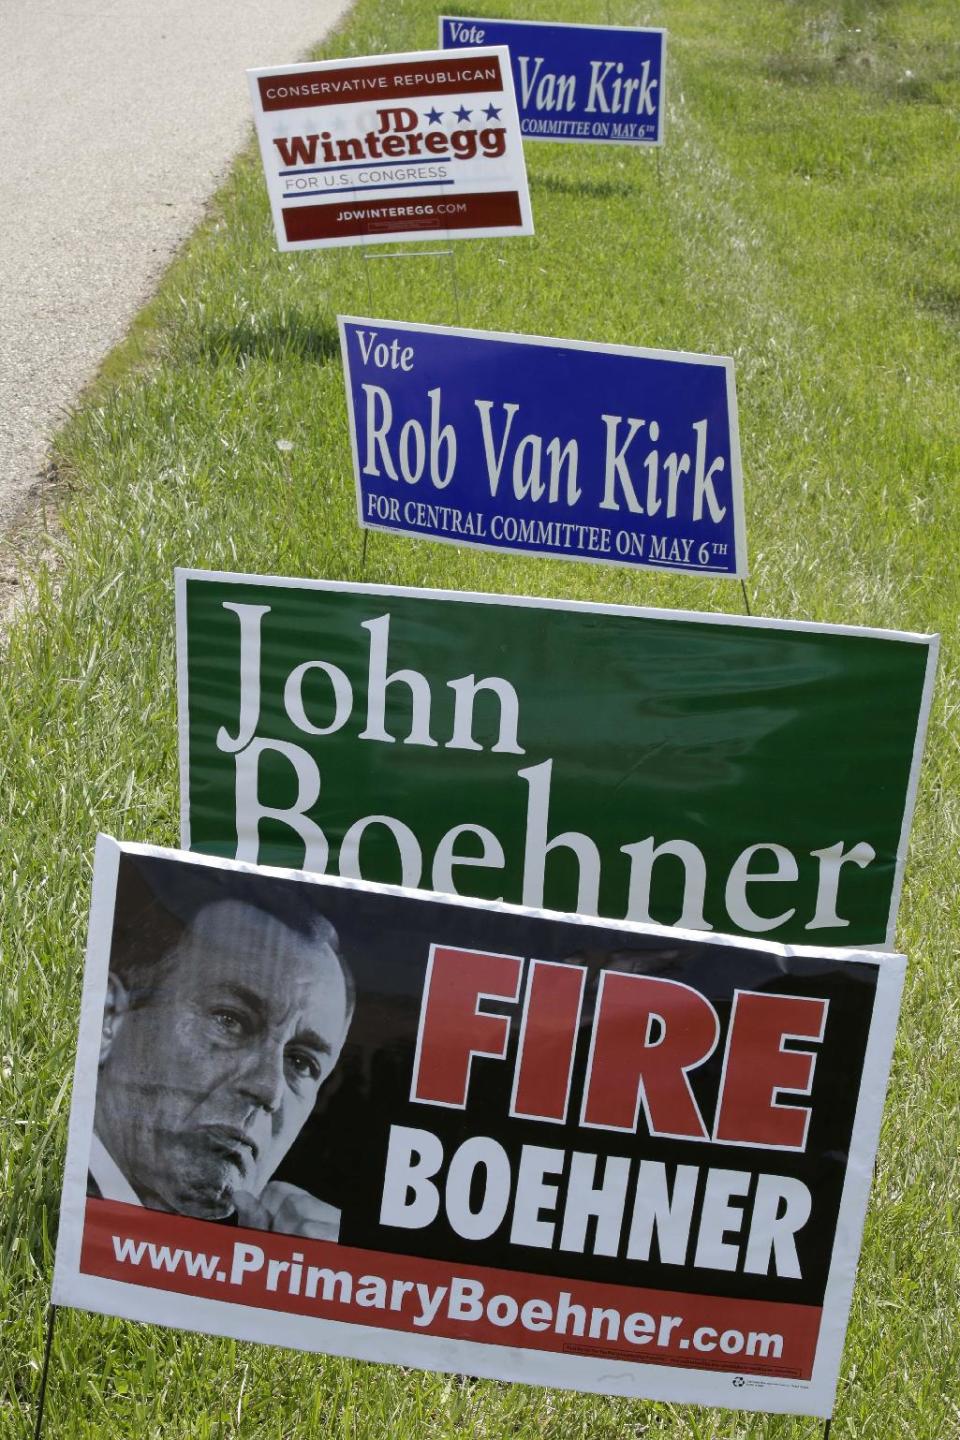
[(213, 1052)]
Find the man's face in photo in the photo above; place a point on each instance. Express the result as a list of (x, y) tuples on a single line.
[(209, 1075)]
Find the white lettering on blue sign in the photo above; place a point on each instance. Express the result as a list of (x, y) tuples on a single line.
[(551, 447)]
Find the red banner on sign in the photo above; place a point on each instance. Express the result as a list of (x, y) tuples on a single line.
[(409, 79), (456, 1301), (366, 217)]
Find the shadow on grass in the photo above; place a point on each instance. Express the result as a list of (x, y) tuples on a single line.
[(275, 335), (593, 189), (860, 67), (941, 300)]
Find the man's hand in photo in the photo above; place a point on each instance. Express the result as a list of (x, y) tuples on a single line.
[(289, 1210)]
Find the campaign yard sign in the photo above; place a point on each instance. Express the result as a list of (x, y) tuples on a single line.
[(601, 84), (531, 1147), (392, 147), (606, 453), (720, 773)]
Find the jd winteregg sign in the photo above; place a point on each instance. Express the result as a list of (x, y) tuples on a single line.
[(742, 775), (383, 148), (471, 1137)]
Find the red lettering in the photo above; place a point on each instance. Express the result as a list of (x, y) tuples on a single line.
[(548, 1039), (757, 1068), (298, 150), (452, 1026), (647, 1034), (399, 119)]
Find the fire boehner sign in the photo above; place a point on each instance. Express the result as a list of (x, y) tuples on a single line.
[(471, 1137)]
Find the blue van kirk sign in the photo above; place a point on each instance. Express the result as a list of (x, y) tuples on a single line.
[(597, 83), (548, 447)]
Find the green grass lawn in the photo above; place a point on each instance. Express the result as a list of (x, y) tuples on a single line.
[(804, 218)]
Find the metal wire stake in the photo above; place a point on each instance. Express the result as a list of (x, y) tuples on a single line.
[(42, 1393), (403, 254), (456, 287), (746, 601)]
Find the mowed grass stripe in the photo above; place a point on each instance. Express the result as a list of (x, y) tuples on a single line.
[(857, 434), (802, 222)]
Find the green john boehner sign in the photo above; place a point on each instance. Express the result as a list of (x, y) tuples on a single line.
[(740, 775)]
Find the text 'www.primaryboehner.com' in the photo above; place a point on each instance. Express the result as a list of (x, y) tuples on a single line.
[(463, 1304)]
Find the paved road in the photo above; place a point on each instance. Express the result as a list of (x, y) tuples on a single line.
[(117, 120)]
